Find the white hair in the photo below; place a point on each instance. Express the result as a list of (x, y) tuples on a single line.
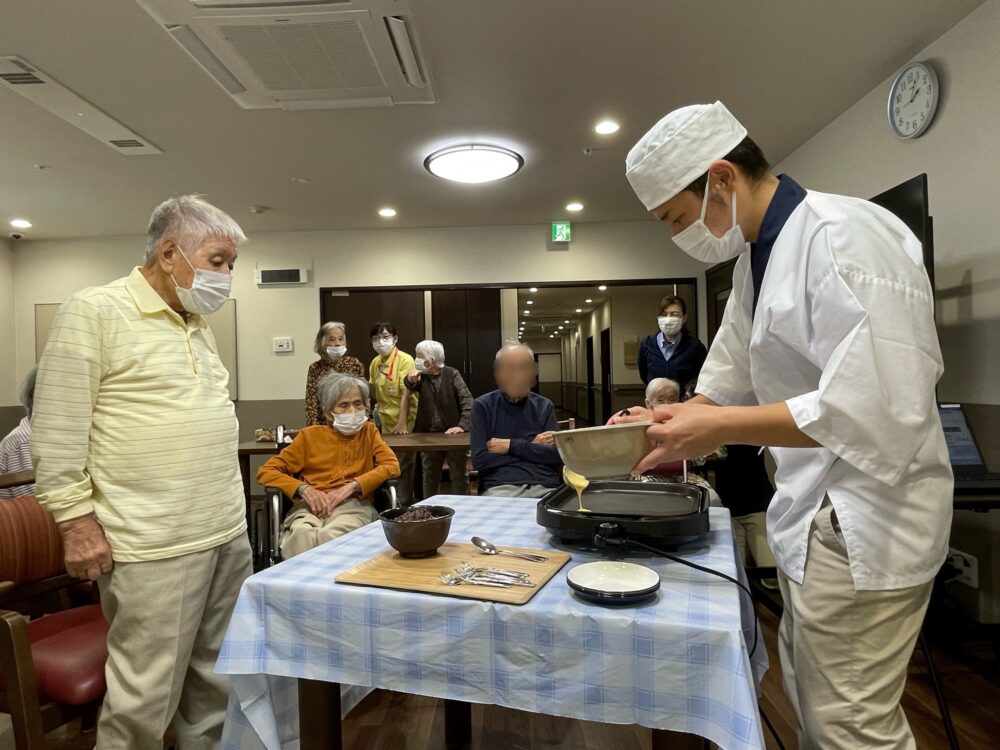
[(333, 387), (325, 329), (192, 219), (511, 346), (658, 384), (432, 349), (26, 392)]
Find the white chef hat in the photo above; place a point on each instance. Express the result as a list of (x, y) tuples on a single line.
[(679, 149)]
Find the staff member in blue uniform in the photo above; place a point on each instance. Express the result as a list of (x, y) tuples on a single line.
[(672, 353), (828, 354)]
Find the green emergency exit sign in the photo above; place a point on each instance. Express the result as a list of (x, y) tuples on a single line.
[(560, 231)]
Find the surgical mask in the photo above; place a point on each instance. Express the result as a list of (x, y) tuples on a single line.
[(699, 242), (670, 324), (384, 346), (420, 365), (209, 290), (348, 424), (336, 352)]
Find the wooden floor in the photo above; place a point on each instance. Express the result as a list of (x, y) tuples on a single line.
[(393, 721)]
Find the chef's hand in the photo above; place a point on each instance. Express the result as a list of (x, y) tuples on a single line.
[(86, 551), (631, 414), (454, 431), (682, 431), (545, 438), (499, 446)]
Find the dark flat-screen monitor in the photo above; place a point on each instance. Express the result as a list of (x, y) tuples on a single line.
[(908, 201)]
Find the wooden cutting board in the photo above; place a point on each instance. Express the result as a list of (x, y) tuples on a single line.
[(390, 570)]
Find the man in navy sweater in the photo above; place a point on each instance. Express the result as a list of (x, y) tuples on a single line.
[(513, 447)]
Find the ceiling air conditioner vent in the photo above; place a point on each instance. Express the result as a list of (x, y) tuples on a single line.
[(52, 96), (303, 55)]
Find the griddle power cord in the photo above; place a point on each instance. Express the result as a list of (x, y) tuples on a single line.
[(610, 535)]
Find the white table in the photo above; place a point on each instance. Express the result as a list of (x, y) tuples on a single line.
[(676, 664)]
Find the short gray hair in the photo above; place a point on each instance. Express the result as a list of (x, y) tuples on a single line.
[(192, 218), (658, 384), (325, 329), (333, 387), (433, 349), (510, 346), (26, 393)]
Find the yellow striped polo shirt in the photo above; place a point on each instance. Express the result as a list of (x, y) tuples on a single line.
[(132, 420)]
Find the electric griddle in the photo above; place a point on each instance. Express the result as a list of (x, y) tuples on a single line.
[(664, 514)]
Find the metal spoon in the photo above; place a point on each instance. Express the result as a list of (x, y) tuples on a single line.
[(490, 549)]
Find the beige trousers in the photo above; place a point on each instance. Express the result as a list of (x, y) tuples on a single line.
[(750, 533), (303, 530), (844, 653), (168, 618)]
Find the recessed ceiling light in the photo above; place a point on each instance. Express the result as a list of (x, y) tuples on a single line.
[(533, 289), (300, 180), (602, 288), (530, 302), (527, 312), (387, 213), (20, 224), (606, 127), (574, 206), (565, 321), (473, 163), (588, 300), (561, 327), (579, 309), (552, 335)]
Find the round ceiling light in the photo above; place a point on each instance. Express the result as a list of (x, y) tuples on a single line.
[(574, 207), (473, 163), (20, 224), (606, 127)]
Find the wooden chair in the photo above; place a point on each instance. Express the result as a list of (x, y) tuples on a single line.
[(52, 666)]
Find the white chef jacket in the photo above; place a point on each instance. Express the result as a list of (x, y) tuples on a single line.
[(844, 334)]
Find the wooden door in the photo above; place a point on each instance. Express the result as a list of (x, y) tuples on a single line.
[(484, 338), (449, 326), (591, 406), (403, 308), (718, 285), (605, 375)]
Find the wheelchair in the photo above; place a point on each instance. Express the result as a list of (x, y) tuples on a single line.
[(267, 524)]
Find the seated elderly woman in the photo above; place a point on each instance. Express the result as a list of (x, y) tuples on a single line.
[(512, 439), (331, 346), (331, 471), (662, 391), (445, 405)]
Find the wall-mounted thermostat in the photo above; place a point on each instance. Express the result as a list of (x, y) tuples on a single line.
[(281, 276), (283, 345)]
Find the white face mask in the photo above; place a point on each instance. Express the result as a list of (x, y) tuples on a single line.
[(384, 346), (348, 424), (209, 290), (336, 352), (421, 365), (699, 242), (670, 324)]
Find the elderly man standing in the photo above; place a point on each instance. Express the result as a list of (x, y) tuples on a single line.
[(512, 441), (135, 442)]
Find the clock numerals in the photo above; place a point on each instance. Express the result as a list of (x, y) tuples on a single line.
[(912, 101)]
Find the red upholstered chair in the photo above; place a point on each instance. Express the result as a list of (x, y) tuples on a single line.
[(52, 666)]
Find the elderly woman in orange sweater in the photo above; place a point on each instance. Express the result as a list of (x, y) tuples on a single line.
[(331, 471)]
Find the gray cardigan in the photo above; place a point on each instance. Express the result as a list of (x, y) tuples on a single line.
[(447, 394)]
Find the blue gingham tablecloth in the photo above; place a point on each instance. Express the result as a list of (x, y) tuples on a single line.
[(679, 662)]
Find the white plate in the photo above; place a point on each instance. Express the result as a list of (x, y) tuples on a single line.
[(613, 580)]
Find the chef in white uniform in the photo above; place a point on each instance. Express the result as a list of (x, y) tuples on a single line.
[(828, 354)]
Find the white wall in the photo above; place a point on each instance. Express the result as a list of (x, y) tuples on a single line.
[(856, 155), (48, 271), (8, 371)]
